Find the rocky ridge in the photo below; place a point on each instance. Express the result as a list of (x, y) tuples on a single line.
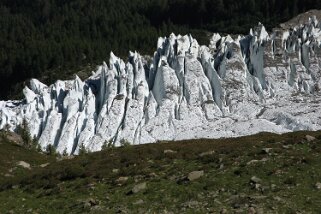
[(235, 86)]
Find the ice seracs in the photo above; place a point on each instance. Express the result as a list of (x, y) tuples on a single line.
[(233, 87)]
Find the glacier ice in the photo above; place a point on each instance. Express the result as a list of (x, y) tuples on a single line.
[(238, 86)]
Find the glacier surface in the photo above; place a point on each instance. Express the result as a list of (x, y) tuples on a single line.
[(238, 86)]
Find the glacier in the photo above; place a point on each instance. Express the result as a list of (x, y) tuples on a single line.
[(235, 86)]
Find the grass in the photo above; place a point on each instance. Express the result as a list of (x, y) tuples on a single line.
[(91, 183)]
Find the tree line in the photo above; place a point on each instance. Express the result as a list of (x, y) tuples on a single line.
[(46, 38)]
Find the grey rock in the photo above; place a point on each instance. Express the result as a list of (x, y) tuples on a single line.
[(15, 187), (24, 164), (258, 197), (207, 153), (152, 175), (122, 180), (266, 150), (44, 165), (286, 146), (223, 211), (259, 211), (115, 170), (169, 151), (277, 198), (139, 202), (252, 162), (318, 185), (191, 204), (139, 187), (256, 180), (251, 210), (91, 202), (310, 138), (195, 175)]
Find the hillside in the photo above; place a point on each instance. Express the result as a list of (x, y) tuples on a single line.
[(264, 173), (232, 126), (52, 39)]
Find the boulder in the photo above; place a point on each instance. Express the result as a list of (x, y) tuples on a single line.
[(310, 138), (24, 164), (139, 187), (192, 176)]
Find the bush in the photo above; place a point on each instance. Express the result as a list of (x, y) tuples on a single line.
[(82, 150), (24, 132), (51, 150), (124, 143), (28, 141), (107, 145), (71, 172)]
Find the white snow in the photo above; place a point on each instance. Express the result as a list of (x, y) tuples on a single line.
[(256, 83)]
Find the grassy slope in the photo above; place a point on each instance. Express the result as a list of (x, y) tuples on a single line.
[(88, 183)]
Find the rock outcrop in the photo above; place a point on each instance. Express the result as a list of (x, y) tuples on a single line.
[(233, 87)]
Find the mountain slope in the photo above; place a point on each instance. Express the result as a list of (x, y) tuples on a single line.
[(265, 173)]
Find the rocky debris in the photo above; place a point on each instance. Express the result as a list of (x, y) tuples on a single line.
[(138, 178), (44, 165), (90, 203), (192, 176), (91, 186), (61, 158), (138, 188), (184, 92), (286, 146), (252, 162), (207, 153), (115, 170), (97, 208), (24, 164), (255, 180), (260, 211), (251, 210), (310, 138), (266, 150), (14, 137), (138, 202), (169, 151), (122, 180), (152, 175), (122, 210), (318, 186), (277, 198), (257, 197), (192, 204), (273, 187), (223, 211)]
